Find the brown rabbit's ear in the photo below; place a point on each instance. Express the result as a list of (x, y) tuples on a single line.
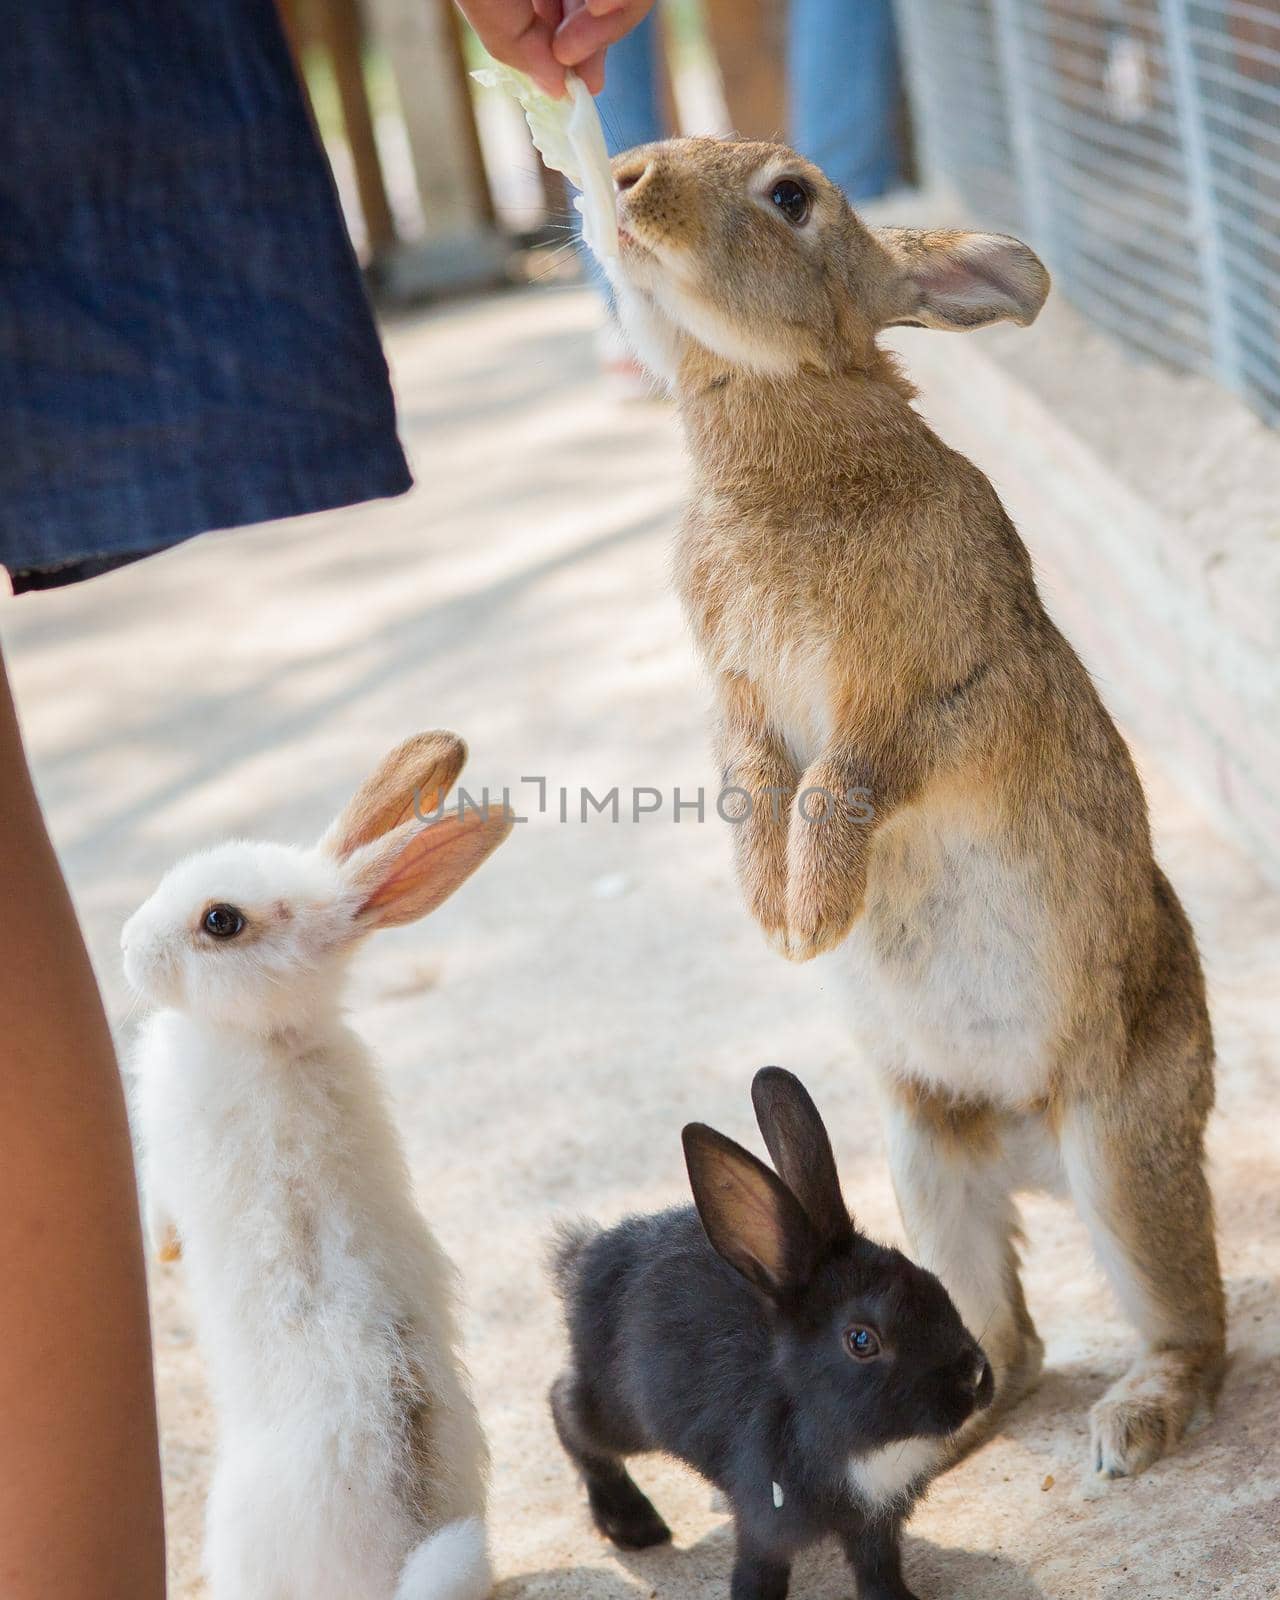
[(416, 868), (751, 1218), (416, 776), (801, 1151), (941, 278)]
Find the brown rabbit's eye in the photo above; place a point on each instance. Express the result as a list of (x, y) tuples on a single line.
[(223, 922), (863, 1344), (792, 199)]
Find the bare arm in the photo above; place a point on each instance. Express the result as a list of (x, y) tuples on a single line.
[(80, 1509)]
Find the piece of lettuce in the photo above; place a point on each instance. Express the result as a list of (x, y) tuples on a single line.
[(569, 139)]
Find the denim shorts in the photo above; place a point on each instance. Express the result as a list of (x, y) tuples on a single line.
[(185, 341)]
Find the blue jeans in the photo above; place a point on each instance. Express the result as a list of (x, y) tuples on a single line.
[(843, 82), (842, 69), (184, 337)]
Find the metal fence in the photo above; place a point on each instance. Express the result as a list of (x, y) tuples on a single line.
[(1136, 144)]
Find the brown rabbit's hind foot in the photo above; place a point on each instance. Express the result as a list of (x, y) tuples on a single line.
[(1164, 1397), (1013, 1383)]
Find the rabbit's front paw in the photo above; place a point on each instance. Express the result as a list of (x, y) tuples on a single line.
[(768, 908), (762, 871), (823, 897), (813, 927), (826, 881)]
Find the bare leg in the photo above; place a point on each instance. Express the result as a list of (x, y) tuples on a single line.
[(619, 1508), (953, 1188), (1138, 1180), (80, 1510)]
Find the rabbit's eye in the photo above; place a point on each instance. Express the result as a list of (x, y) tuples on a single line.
[(792, 199), (223, 922), (862, 1343)]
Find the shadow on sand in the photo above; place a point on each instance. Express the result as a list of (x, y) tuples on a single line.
[(702, 1571)]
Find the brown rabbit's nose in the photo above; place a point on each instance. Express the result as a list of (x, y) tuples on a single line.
[(628, 177)]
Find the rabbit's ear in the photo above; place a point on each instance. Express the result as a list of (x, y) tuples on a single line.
[(415, 869), (801, 1151), (751, 1218), (414, 778), (945, 279)]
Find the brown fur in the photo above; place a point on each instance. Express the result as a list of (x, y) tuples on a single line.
[(871, 622)]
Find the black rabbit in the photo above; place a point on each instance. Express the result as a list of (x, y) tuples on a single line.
[(812, 1375)]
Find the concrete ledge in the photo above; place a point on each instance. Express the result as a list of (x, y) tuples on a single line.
[(1151, 505)]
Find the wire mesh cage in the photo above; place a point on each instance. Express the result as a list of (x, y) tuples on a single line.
[(1137, 144)]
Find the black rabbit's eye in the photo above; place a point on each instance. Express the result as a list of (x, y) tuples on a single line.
[(223, 922), (792, 199), (863, 1344)]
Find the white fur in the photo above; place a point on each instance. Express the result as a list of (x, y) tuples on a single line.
[(659, 308), (952, 965), (960, 1215), (450, 1565), (882, 1478), (323, 1302), (720, 334), (650, 333)]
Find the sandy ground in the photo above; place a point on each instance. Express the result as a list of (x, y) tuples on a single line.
[(548, 1032)]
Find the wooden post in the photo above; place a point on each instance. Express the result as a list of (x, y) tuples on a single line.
[(463, 248), (343, 37), (747, 36)]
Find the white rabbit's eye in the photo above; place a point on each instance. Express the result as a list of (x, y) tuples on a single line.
[(792, 199), (862, 1343), (223, 922)]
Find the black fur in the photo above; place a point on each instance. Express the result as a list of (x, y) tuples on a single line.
[(732, 1356)]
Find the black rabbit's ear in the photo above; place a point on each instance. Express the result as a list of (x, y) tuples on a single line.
[(751, 1218), (801, 1151)]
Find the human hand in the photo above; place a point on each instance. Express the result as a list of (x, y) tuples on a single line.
[(543, 37), (588, 28)]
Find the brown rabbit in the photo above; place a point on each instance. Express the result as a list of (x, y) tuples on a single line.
[(1027, 984)]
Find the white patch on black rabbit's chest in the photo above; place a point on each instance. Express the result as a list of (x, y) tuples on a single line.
[(882, 1479)]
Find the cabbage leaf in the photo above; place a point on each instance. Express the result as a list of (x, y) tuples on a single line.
[(569, 139)]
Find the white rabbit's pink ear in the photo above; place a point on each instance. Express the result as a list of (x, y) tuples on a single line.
[(411, 781), (942, 278), (410, 873)]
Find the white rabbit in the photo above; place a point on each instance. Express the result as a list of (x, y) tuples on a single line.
[(351, 1464)]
